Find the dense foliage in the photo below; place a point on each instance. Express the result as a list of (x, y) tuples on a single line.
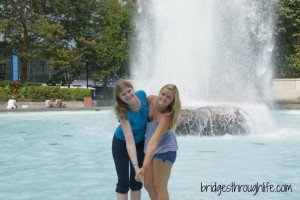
[(72, 36), (94, 36), (35, 92), (288, 39)]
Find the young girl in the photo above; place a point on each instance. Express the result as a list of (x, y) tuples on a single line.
[(128, 142), (160, 141)]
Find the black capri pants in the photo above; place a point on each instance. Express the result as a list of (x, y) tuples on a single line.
[(124, 168)]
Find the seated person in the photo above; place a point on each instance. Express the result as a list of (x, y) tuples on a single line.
[(59, 103), (12, 103), (48, 103)]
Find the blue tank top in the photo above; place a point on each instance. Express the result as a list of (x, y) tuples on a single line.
[(137, 120)]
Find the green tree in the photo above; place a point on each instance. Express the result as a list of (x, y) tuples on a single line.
[(288, 39), (80, 20), (115, 38), (70, 35), (14, 17), (45, 31)]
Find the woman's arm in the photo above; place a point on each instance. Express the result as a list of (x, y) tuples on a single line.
[(150, 98), (130, 144)]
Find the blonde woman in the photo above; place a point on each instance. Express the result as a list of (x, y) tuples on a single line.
[(160, 141), (128, 142)]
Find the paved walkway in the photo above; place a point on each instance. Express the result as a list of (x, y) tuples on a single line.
[(79, 105), (287, 104), (39, 106)]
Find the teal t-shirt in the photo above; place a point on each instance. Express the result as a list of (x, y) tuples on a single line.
[(137, 120)]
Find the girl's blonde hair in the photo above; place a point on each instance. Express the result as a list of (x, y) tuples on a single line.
[(175, 106), (121, 107)]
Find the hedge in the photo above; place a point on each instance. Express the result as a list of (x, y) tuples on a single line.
[(40, 93)]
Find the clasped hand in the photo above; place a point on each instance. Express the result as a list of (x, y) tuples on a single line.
[(139, 175)]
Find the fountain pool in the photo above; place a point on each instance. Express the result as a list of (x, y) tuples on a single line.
[(67, 155)]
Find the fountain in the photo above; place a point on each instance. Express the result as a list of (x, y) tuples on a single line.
[(72, 158), (213, 121), (218, 53)]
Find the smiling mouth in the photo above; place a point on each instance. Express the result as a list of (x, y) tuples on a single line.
[(129, 98), (162, 102)]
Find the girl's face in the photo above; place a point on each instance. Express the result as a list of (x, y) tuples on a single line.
[(126, 94), (165, 97)]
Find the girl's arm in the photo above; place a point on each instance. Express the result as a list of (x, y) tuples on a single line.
[(130, 144), (150, 98), (163, 125)]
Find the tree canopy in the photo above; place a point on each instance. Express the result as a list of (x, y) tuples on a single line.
[(70, 35), (288, 39), (95, 35)]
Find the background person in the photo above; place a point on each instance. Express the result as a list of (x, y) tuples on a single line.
[(128, 142), (12, 103), (59, 103), (48, 103)]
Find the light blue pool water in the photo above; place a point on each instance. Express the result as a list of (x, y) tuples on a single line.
[(67, 155)]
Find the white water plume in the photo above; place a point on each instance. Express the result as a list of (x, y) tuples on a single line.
[(213, 50)]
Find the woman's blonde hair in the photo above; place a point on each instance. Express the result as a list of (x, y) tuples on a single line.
[(121, 107), (175, 106)]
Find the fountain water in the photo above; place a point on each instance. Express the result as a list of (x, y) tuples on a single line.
[(217, 52), (72, 158)]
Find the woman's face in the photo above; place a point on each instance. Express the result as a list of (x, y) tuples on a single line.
[(165, 97), (126, 94)]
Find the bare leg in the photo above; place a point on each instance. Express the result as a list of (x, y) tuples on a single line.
[(122, 196), (149, 182), (161, 175), (135, 195)]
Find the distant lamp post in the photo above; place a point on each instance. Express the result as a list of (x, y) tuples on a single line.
[(2, 71), (87, 73), (68, 75)]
